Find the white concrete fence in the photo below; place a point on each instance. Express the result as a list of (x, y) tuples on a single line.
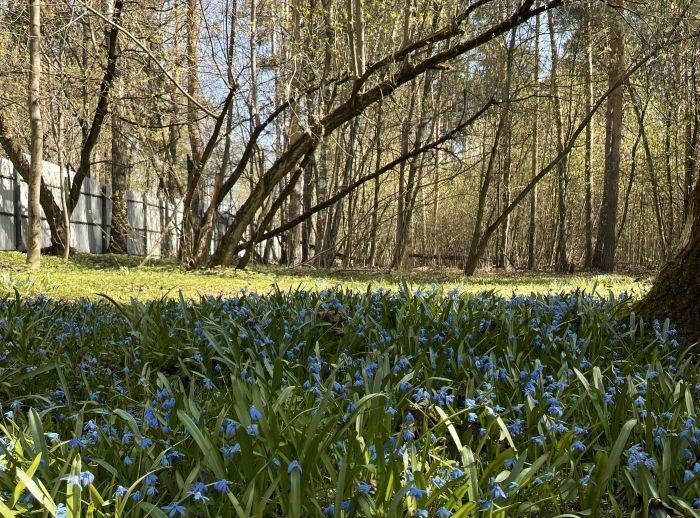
[(149, 216)]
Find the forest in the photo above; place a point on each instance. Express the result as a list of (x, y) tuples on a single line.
[(515, 135)]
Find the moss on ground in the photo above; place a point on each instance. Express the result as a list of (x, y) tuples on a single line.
[(123, 278)]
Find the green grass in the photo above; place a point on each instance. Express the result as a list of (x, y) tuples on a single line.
[(122, 278)]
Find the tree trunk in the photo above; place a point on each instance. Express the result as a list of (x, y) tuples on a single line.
[(532, 228), (120, 222), (194, 159), (561, 262), (588, 158), (606, 242), (37, 139), (676, 290)]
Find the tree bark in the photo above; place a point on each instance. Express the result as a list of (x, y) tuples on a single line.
[(588, 154), (532, 228), (561, 262), (606, 242), (676, 290), (37, 138)]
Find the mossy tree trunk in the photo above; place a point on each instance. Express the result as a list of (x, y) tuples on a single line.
[(676, 290)]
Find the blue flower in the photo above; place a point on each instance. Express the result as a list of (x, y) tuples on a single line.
[(222, 486), (255, 414), (174, 510), (294, 465), (417, 492), (456, 473), (497, 493), (150, 417), (443, 512), (364, 487), (439, 482), (578, 447), (86, 478), (230, 450)]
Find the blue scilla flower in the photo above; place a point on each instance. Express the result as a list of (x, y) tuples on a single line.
[(637, 456), (61, 510), (255, 414), (174, 510), (230, 450), (578, 447), (252, 430), (497, 492), (443, 512), (86, 478), (364, 487), (422, 513), (53, 437), (230, 427), (438, 481), (150, 417), (222, 486), (120, 491), (417, 492), (408, 435), (294, 466), (456, 473)]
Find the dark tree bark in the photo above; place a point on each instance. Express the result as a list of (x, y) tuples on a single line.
[(676, 290), (606, 242), (120, 224)]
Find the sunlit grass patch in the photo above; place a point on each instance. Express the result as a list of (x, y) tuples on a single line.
[(123, 277)]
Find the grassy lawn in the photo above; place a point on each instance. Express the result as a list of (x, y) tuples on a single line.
[(122, 278)]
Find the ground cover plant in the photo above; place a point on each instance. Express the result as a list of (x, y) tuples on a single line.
[(343, 403)]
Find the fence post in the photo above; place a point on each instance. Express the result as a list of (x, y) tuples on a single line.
[(145, 224), (103, 220), (17, 209)]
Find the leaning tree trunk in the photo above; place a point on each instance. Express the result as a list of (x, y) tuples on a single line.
[(676, 290)]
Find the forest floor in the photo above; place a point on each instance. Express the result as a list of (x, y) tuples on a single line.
[(122, 278)]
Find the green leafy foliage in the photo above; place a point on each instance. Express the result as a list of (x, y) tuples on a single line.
[(339, 403)]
